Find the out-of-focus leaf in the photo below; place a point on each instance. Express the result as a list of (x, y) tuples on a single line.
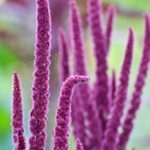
[(8, 57), (135, 4), (5, 122)]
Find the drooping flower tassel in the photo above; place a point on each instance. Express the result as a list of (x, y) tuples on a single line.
[(61, 132), (40, 88), (111, 134), (77, 116), (87, 106), (139, 84), (100, 91), (17, 115)]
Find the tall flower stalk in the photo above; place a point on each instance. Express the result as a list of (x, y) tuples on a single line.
[(17, 115), (61, 133), (111, 134), (100, 94), (40, 89), (77, 116), (139, 84), (87, 106), (79, 68), (64, 55)]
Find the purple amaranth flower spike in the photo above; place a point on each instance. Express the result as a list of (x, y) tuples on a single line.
[(17, 116), (63, 53), (139, 84), (40, 89), (77, 39), (79, 146), (77, 114), (109, 26), (64, 74), (83, 92), (61, 133), (100, 94), (113, 87), (113, 124)]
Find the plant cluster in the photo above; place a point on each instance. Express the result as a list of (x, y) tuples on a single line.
[(96, 111)]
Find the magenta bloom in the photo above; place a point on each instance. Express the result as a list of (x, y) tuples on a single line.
[(113, 124), (100, 94), (109, 26), (64, 58), (86, 105), (17, 115), (61, 133), (79, 146), (79, 68), (77, 117), (40, 89), (77, 39), (139, 84)]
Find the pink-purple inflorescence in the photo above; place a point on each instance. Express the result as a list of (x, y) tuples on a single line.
[(95, 112), (17, 115), (61, 133), (113, 124), (139, 84), (109, 26), (79, 68), (100, 91), (83, 92), (64, 56), (40, 89)]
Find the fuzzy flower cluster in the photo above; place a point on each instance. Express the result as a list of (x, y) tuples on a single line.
[(95, 112)]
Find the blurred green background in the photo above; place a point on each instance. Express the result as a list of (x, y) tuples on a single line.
[(17, 38)]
